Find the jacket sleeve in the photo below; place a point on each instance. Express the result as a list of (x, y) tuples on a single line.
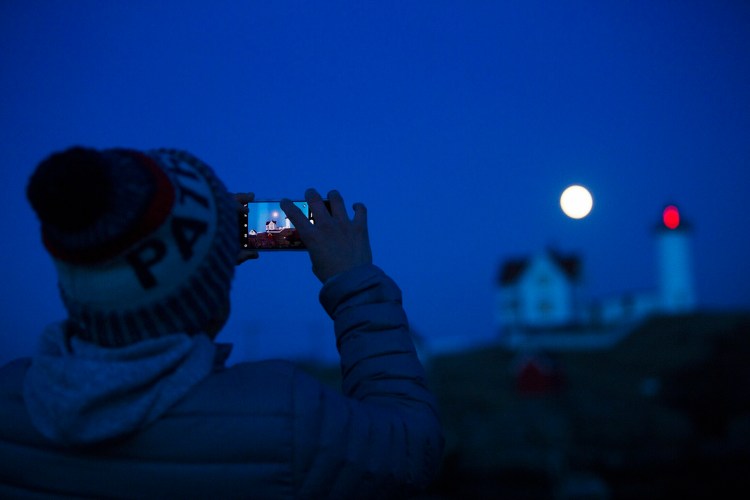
[(382, 437)]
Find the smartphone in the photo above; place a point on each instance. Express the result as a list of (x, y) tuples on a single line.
[(264, 226)]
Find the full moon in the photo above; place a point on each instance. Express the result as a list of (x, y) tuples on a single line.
[(576, 202)]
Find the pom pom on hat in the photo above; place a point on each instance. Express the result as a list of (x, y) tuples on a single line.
[(70, 190), (144, 242)]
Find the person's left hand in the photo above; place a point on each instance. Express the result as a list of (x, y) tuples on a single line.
[(243, 199)]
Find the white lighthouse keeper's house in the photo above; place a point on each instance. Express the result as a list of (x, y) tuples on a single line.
[(539, 292)]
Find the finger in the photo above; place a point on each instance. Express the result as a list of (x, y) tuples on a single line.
[(299, 219), (338, 208), (312, 194), (245, 255), (244, 198), (295, 214), (317, 206), (360, 215)]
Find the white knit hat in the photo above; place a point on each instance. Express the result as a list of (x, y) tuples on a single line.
[(144, 242)]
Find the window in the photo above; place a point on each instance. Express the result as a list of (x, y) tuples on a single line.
[(545, 307)]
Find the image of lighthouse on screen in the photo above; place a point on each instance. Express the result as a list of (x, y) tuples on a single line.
[(265, 226)]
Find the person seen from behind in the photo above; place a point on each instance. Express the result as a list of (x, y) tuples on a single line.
[(130, 396)]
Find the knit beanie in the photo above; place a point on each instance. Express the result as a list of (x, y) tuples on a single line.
[(144, 243)]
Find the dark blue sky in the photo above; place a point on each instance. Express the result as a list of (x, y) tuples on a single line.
[(457, 123)]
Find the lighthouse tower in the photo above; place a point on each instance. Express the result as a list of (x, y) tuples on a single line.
[(676, 282)]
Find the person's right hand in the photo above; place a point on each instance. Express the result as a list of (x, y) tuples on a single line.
[(335, 242)]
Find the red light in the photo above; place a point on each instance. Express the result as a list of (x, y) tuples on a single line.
[(671, 217)]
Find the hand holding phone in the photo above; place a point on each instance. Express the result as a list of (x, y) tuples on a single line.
[(242, 200), (335, 242)]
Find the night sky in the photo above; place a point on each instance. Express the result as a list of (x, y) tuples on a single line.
[(458, 124)]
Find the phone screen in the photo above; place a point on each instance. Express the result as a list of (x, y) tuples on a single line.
[(266, 227)]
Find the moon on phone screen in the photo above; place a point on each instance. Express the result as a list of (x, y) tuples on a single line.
[(576, 202)]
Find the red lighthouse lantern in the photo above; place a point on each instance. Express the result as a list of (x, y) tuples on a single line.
[(671, 217)]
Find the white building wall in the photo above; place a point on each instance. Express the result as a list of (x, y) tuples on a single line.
[(546, 294), (676, 286)]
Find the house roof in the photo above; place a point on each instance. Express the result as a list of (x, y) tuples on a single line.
[(512, 270)]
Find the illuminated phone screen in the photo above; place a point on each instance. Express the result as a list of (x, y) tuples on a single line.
[(266, 227)]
